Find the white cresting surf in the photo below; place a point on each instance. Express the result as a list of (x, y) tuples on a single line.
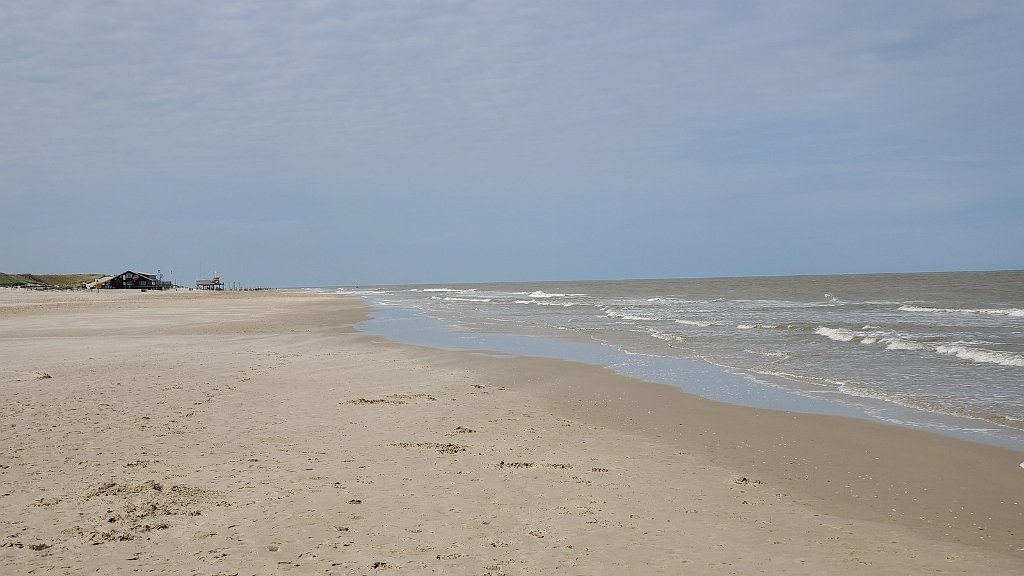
[(944, 343)]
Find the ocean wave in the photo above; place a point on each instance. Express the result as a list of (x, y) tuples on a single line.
[(776, 304), (362, 292), (871, 335), (760, 326), (628, 316), (896, 343), (1011, 312), (542, 294), (981, 355), (457, 299), (837, 334), (698, 323), (543, 303), (665, 336)]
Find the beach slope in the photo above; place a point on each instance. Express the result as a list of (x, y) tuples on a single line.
[(255, 433)]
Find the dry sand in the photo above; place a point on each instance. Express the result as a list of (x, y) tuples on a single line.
[(259, 433)]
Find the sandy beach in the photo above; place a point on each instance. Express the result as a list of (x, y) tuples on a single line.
[(260, 433)]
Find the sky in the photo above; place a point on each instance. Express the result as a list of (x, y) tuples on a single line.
[(392, 142)]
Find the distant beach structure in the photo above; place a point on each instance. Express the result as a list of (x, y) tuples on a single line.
[(131, 280), (210, 284)]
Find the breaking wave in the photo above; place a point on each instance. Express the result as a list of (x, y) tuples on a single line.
[(976, 355), (698, 323), (1011, 312), (895, 343), (837, 334)]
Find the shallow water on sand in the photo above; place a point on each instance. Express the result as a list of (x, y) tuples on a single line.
[(943, 352)]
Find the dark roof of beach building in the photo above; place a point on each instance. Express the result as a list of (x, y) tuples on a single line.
[(130, 279), (146, 275)]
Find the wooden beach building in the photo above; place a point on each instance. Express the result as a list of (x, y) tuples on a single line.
[(131, 280)]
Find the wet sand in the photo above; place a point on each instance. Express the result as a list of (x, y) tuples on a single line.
[(254, 433)]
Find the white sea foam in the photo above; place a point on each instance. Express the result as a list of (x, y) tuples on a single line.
[(1012, 312), (665, 336), (987, 356), (361, 292), (547, 303), (894, 343), (457, 299), (768, 353), (760, 326), (611, 313), (837, 334), (542, 294), (698, 323), (633, 317)]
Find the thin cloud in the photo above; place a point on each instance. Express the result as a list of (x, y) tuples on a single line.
[(360, 107)]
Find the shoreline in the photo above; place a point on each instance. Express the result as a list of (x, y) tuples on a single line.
[(694, 377), (870, 449), (264, 417)]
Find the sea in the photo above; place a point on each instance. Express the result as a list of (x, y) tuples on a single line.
[(942, 352)]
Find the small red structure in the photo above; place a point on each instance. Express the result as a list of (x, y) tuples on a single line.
[(211, 284)]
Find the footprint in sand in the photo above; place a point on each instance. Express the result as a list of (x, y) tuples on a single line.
[(441, 448), (391, 399), (504, 464)]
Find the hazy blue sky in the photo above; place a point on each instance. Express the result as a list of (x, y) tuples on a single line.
[(360, 142)]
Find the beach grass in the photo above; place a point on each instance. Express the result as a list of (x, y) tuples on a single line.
[(53, 281)]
